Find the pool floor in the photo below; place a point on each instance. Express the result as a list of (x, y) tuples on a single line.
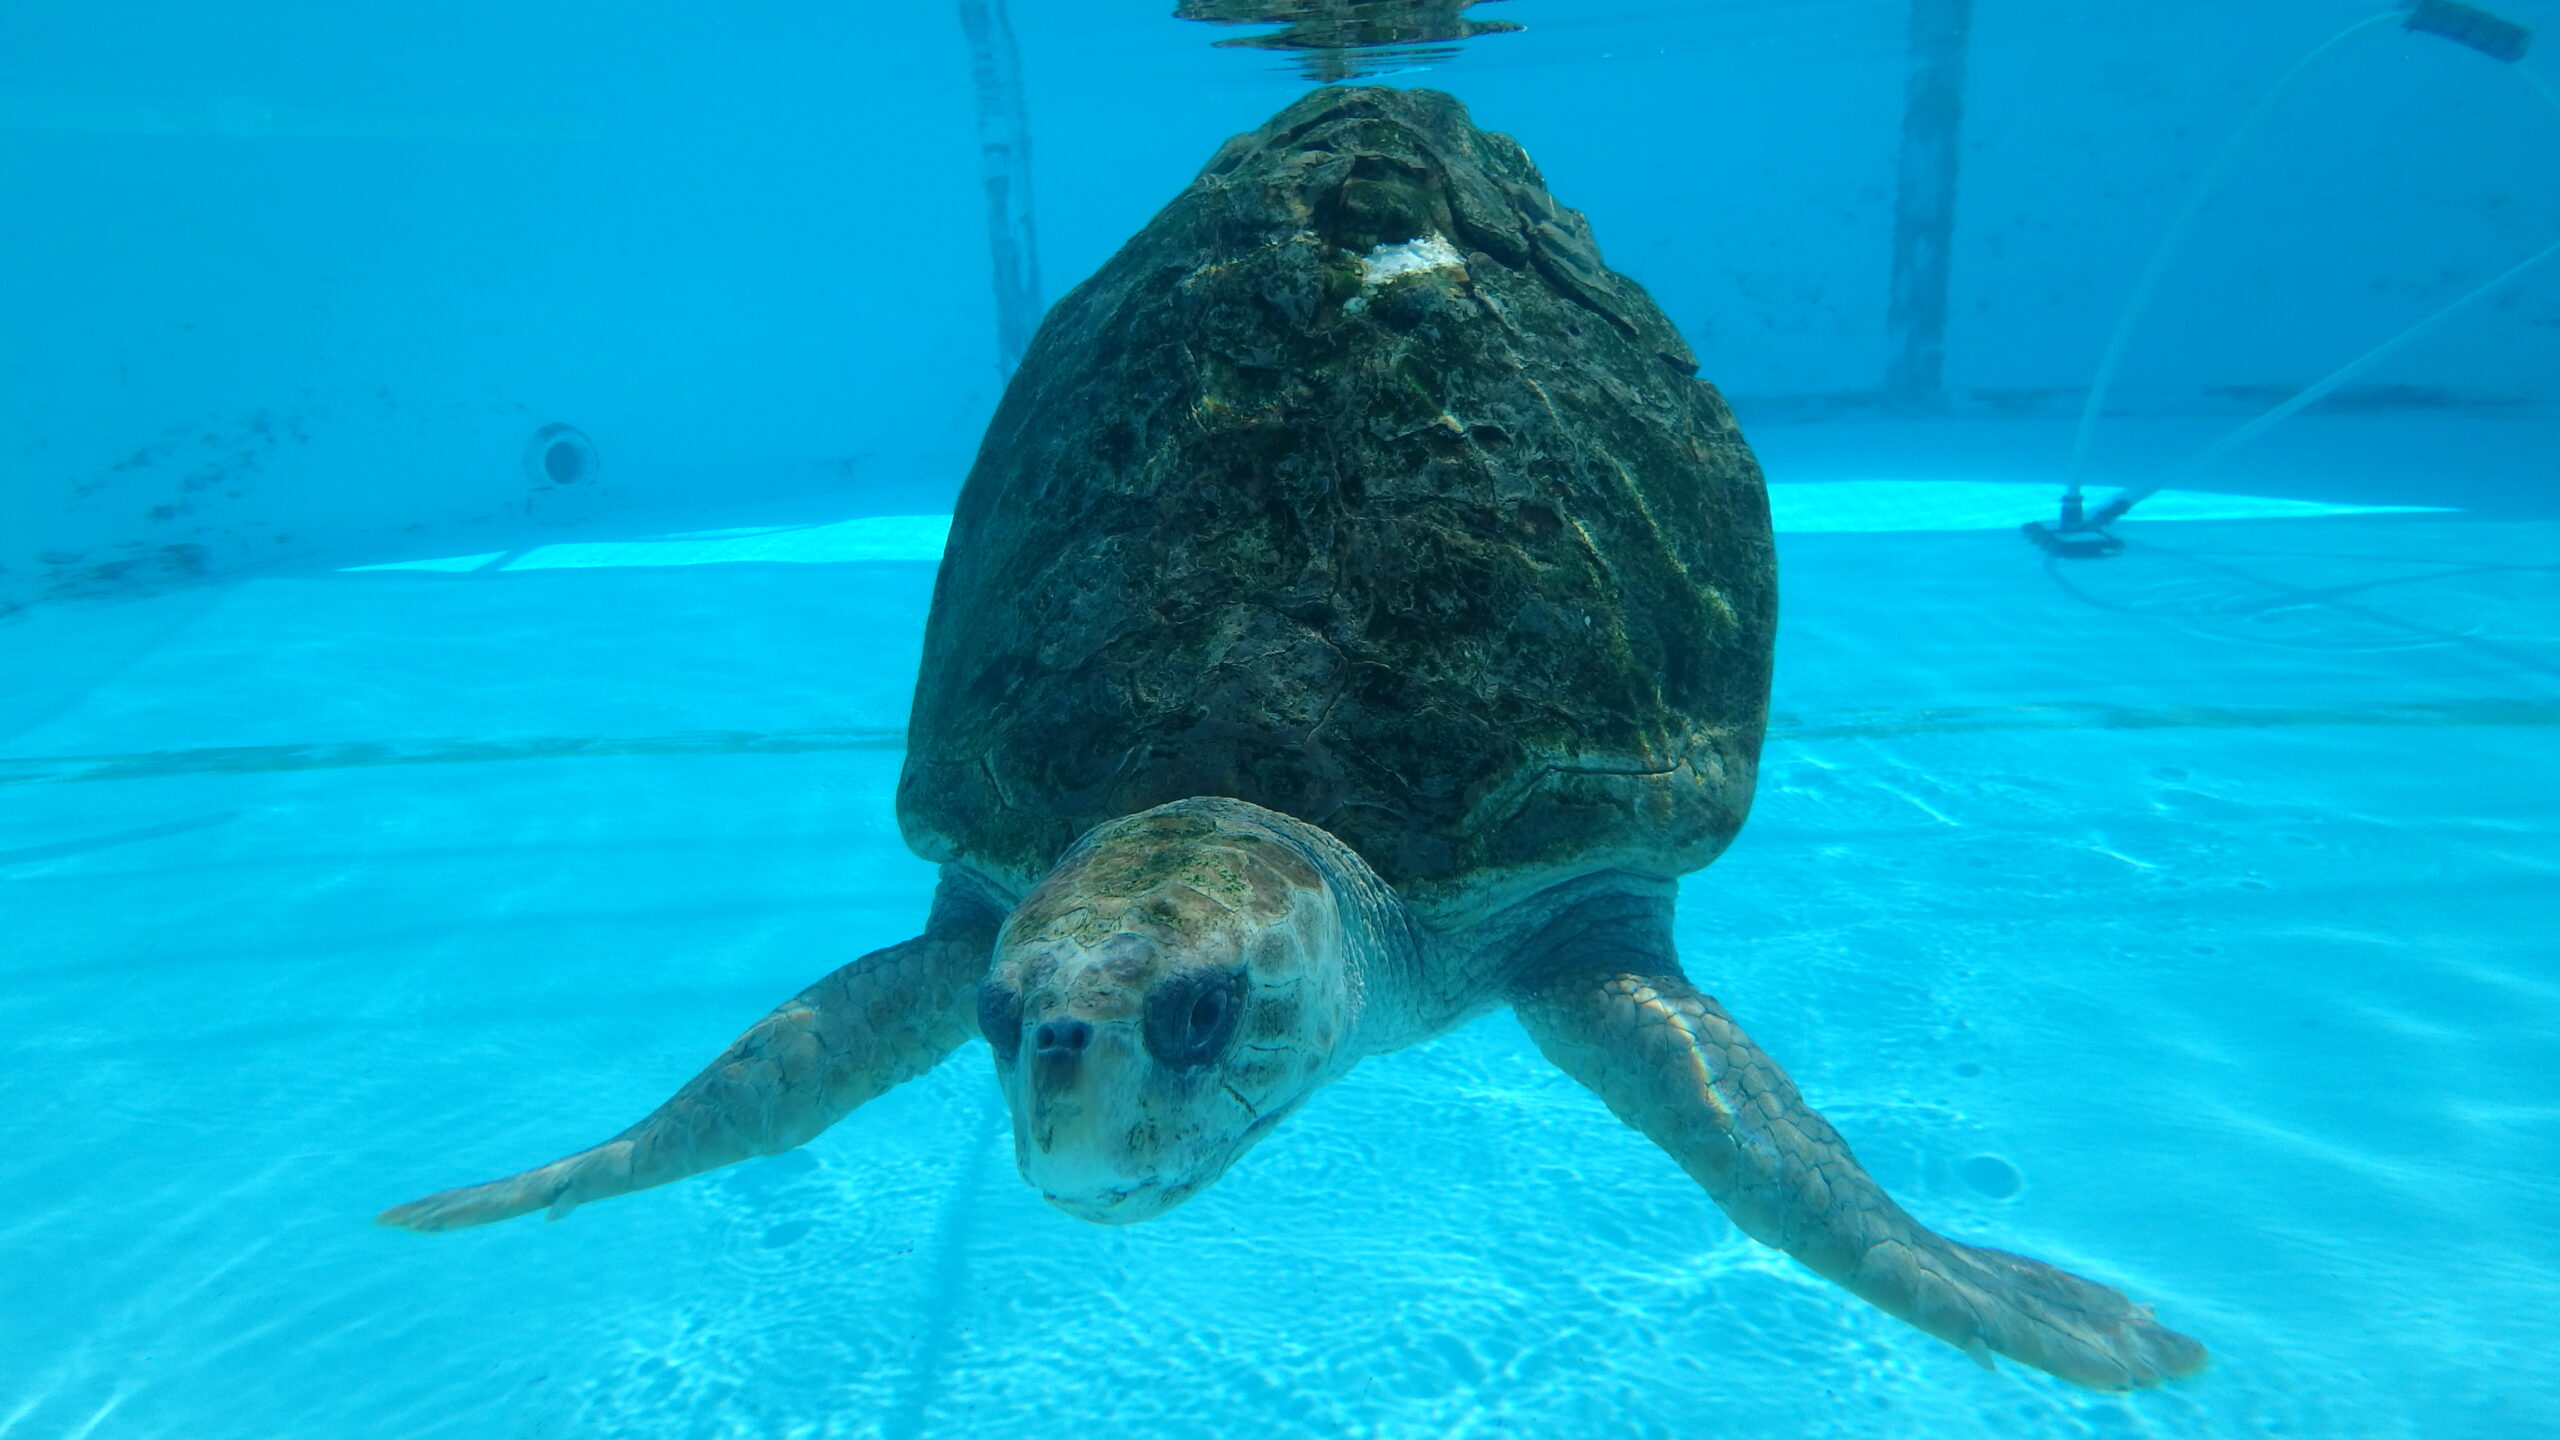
[(2169, 917)]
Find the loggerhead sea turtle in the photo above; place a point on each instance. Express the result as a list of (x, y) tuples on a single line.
[(1357, 618)]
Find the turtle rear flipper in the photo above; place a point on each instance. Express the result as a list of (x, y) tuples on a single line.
[(868, 1027), (1615, 1012)]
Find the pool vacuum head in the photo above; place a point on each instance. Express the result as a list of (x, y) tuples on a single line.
[(2075, 535)]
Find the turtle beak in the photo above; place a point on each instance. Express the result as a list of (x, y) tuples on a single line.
[(1080, 1076)]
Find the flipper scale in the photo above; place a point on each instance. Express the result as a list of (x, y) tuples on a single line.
[(860, 1031), (1671, 1063)]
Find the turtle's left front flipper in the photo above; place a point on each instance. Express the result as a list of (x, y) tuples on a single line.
[(872, 1025), (1623, 1020)]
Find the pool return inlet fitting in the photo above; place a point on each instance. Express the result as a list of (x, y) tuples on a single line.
[(2079, 532)]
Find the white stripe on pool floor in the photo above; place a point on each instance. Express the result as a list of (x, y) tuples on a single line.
[(1839, 506)]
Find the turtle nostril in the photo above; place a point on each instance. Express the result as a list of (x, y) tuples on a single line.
[(1063, 1036)]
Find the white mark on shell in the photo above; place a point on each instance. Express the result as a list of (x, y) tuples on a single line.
[(1423, 253)]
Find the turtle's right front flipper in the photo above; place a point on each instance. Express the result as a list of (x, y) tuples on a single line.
[(1671, 1063), (872, 1025)]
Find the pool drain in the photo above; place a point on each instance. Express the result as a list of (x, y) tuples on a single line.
[(560, 455)]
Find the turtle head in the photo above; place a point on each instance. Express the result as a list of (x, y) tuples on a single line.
[(1182, 980)]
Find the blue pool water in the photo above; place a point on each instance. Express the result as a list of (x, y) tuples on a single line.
[(2183, 919), (390, 801)]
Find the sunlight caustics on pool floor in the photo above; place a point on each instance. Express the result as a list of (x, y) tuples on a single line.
[(2179, 918)]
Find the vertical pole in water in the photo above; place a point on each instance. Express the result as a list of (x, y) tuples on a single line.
[(1924, 210), (1004, 166)]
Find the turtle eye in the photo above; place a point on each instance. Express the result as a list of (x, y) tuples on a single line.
[(1192, 1016), (1000, 1018)]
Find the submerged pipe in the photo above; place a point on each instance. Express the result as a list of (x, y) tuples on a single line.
[(2317, 391), (2492, 35), (2140, 300), (2466, 25)]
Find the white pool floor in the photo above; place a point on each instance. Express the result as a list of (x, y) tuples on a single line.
[(2209, 889)]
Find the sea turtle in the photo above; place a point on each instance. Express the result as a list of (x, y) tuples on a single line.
[(1357, 619)]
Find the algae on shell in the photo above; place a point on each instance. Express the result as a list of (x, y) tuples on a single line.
[(1356, 486)]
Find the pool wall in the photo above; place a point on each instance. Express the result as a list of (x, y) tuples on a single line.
[(292, 285)]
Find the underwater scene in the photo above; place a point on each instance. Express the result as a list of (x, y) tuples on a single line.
[(1280, 718)]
